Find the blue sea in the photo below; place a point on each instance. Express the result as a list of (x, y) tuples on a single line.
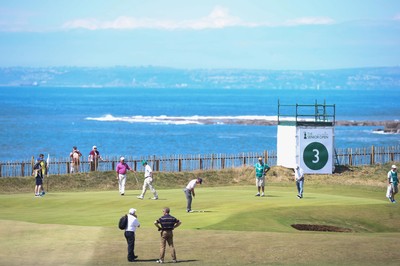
[(162, 122)]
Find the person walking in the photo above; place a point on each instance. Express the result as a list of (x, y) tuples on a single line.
[(393, 182), (121, 170), (132, 225), (299, 178), (148, 181), (189, 191), (94, 158), (166, 224), (261, 169), (75, 157)]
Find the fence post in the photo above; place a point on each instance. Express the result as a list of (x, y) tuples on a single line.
[(351, 157), (222, 162), (68, 168), (372, 155), (179, 164), (1, 167), (23, 169)]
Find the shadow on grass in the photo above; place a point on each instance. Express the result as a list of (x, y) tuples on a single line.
[(155, 261)]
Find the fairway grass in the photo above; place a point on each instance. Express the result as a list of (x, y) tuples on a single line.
[(233, 228)]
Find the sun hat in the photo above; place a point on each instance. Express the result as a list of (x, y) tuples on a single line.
[(122, 158), (394, 166), (144, 162), (259, 158), (132, 211), (94, 147)]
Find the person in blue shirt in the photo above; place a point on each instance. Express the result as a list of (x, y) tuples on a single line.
[(261, 169)]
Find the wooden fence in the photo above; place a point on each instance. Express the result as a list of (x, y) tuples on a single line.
[(182, 163)]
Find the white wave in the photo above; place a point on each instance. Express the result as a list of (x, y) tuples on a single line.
[(183, 120)]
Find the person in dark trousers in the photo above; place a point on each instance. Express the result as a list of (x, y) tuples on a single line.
[(133, 224), (166, 224)]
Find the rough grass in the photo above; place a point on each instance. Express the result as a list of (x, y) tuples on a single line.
[(76, 222)]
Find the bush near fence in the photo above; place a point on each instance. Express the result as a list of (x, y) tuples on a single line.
[(187, 163)]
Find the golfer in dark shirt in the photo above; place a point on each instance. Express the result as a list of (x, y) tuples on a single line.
[(166, 224)]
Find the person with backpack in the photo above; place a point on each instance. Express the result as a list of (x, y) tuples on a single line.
[(132, 223)]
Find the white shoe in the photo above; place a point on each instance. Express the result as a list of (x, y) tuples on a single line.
[(154, 198), (258, 194), (140, 197), (262, 195), (159, 261)]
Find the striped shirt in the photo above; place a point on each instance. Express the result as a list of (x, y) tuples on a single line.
[(167, 222)]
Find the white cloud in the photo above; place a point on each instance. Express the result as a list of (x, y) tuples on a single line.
[(310, 21), (218, 18), (397, 17)]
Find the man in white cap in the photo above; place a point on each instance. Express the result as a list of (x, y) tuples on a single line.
[(94, 157), (130, 230), (121, 170), (148, 181), (393, 182), (299, 178), (261, 169)]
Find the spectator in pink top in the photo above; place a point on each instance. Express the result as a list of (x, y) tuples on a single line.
[(122, 168)]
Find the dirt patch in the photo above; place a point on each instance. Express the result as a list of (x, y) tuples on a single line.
[(318, 227)]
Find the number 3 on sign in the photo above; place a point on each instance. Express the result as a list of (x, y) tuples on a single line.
[(315, 156)]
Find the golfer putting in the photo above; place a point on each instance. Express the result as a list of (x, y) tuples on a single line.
[(189, 192)]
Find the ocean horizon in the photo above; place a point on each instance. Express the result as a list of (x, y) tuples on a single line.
[(142, 122)]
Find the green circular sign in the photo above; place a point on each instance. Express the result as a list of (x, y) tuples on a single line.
[(315, 156)]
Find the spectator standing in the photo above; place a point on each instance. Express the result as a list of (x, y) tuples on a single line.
[(121, 170), (94, 157), (37, 172), (189, 191), (261, 169), (148, 181), (75, 156), (393, 182), (166, 224), (133, 224), (299, 178), (43, 165)]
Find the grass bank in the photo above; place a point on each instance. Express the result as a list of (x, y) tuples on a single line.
[(372, 176)]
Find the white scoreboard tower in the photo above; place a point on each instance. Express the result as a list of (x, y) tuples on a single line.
[(306, 137)]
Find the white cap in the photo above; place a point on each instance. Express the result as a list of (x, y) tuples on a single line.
[(132, 211), (122, 158), (394, 167), (94, 147)]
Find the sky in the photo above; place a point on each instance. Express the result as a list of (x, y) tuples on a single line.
[(248, 34)]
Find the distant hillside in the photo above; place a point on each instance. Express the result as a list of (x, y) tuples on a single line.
[(158, 77)]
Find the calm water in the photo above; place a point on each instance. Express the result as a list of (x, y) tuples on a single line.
[(123, 121)]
